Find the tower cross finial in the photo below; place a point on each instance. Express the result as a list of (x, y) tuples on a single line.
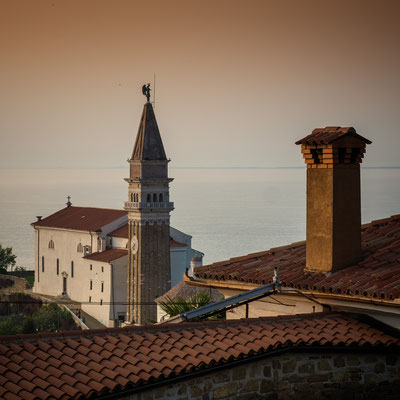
[(146, 91), (69, 201)]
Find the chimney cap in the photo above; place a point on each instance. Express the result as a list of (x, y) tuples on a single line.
[(39, 218), (329, 134)]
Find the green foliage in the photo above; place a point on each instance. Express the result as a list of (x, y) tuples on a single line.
[(181, 305), (7, 259), (8, 327), (52, 318), (48, 318)]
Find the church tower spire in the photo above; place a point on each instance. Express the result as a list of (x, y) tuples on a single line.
[(148, 206)]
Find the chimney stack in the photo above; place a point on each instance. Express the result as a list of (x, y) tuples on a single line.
[(333, 156)]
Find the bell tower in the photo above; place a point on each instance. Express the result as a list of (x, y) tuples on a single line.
[(148, 206)]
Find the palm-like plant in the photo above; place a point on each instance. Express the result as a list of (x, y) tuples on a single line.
[(180, 305)]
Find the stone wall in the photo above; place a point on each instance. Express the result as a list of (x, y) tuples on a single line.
[(298, 375), (11, 284)]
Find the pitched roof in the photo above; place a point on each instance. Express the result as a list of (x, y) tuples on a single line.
[(123, 233), (184, 290), (148, 145), (377, 275), (81, 364), (329, 134), (107, 255), (81, 218)]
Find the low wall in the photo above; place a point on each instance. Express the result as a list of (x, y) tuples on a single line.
[(10, 284), (298, 375)]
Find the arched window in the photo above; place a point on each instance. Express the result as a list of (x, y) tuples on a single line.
[(79, 249), (160, 198), (149, 198), (154, 198), (132, 198), (51, 244)]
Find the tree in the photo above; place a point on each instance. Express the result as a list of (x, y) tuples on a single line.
[(7, 259)]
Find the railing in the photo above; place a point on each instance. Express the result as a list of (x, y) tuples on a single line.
[(165, 204)]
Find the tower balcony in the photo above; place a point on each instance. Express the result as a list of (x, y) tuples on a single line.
[(166, 205)]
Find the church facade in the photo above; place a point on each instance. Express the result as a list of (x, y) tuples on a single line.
[(116, 262)]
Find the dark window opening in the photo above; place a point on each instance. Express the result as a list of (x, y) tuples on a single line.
[(102, 269), (90, 299), (58, 266), (149, 198), (132, 197), (101, 302), (342, 155), (154, 198), (160, 197), (91, 267), (91, 285), (355, 153), (72, 269), (317, 155), (42, 263)]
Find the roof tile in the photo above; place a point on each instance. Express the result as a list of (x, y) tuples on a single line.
[(155, 353)]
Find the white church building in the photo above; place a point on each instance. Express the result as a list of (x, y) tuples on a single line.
[(81, 253), (117, 262)]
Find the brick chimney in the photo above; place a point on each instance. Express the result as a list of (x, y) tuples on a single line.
[(333, 156)]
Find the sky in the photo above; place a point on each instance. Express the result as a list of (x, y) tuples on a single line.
[(237, 81)]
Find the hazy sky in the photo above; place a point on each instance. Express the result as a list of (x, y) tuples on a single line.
[(237, 82)]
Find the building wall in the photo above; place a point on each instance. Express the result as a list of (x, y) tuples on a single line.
[(101, 304), (311, 375), (65, 250), (284, 304)]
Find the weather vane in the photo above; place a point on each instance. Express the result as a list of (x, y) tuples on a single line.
[(146, 91)]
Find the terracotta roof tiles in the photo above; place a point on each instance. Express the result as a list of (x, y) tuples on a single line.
[(81, 218), (323, 136), (90, 363), (377, 275), (107, 255)]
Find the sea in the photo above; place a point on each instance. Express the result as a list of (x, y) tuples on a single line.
[(229, 212)]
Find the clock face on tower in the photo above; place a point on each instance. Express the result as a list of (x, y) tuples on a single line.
[(134, 245)]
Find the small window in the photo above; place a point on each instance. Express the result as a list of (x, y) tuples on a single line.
[(91, 267), (58, 266), (90, 299), (342, 155), (149, 198), (51, 244), (91, 285), (102, 269), (79, 249), (317, 155), (132, 198), (102, 286), (160, 198), (72, 269), (101, 302), (42, 263), (99, 244), (355, 154), (154, 198)]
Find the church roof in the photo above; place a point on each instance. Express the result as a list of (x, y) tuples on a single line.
[(107, 255), (148, 145), (92, 363), (376, 276), (322, 136), (122, 232), (81, 218)]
